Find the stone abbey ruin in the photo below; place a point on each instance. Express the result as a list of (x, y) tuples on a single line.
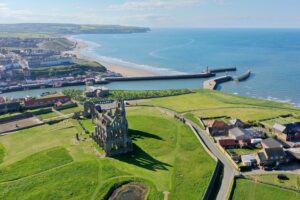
[(111, 130)]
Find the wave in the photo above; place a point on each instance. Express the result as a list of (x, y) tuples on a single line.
[(270, 98), (156, 52), (118, 61), (91, 52)]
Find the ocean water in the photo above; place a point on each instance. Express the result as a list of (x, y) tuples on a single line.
[(273, 55)]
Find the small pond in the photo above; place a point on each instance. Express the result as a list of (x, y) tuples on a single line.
[(130, 191)]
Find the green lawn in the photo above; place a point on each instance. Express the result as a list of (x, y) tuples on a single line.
[(249, 190), (280, 120), (88, 125), (194, 119), (35, 163), (167, 157), (243, 151), (47, 115), (293, 182), (2, 153), (9, 115), (205, 103), (71, 110)]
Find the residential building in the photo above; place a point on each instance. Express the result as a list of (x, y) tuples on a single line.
[(96, 92), (228, 143), (237, 123), (242, 136), (249, 160), (42, 102), (287, 132), (217, 128), (272, 153)]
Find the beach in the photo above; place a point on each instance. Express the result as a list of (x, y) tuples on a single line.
[(124, 70)]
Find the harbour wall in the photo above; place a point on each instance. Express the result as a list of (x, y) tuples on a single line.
[(143, 78), (213, 83)]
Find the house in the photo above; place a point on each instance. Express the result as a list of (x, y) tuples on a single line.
[(228, 143), (43, 102), (287, 132), (270, 143), (249, 160), (242, 136), (272, 153), (96, 92), (217, 128), (280, 131), (237, 123)]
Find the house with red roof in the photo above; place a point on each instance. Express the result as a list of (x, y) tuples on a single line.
[(217, 128)]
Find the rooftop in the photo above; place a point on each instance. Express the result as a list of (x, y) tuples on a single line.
[(271, 143), (238, 132), (216, 123), (279, 127)]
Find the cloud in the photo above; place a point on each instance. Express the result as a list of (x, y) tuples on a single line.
[(17, 14), (154, 4)]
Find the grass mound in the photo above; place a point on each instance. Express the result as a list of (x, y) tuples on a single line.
[(36, 163), (74, 181)]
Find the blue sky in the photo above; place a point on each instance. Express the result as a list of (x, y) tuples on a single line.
[(156, 13)]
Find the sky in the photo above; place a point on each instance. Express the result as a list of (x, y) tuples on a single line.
[(156, 13)]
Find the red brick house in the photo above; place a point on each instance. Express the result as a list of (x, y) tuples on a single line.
[(217, 128), (228, 143), (33, 103)]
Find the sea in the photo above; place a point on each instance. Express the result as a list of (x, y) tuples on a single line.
[(273, 56)]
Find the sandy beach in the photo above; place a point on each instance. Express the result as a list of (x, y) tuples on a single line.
[(122, 69)]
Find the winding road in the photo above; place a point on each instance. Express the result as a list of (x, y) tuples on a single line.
[(229, 170)]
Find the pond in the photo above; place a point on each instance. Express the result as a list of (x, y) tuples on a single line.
[(130, 191)]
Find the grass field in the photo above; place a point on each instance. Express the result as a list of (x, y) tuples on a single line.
[(166, 157), (279, 120), (293, 182), (9, 115), (71, 110), (249, 190), (205, 103), (47, 115), (2, 153)]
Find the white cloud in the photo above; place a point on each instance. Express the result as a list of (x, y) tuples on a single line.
[(154, 4), (17, 14)]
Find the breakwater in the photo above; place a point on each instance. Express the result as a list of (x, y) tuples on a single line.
[(143, 78), (213, 83), (244, 76), (218, 70)]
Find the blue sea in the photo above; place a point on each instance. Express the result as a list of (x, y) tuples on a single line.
[(273, 55)]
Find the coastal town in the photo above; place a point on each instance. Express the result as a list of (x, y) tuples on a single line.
[(30, 63), (94, 142)]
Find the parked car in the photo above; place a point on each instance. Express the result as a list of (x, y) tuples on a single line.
[(282, 177)]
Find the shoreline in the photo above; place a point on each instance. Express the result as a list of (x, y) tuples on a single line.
[(124, 70)]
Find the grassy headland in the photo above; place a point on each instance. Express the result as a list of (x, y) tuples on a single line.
[(52, 29), (166, 157), (206, 103)]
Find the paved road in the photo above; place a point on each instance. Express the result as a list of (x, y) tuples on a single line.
[(229, 169)]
